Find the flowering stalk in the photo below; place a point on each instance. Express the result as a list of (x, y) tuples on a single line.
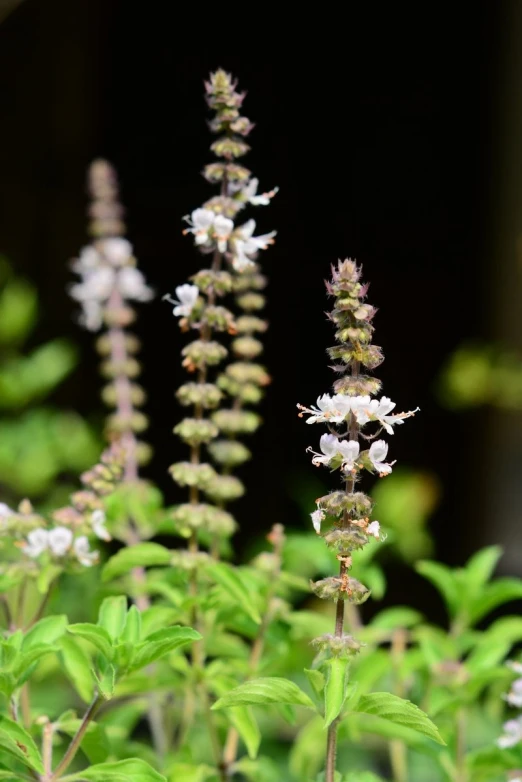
[(346, 413), (215, 232)]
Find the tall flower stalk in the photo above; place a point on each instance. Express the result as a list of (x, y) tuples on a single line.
[(350, 449), (232, 250)]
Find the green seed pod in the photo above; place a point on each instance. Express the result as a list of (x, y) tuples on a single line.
[(187, 474), (218, 318), (345, 540), (200, 353), (246, 324), (341, 588), (229, 148), (225, 488), (247, 347), (245, 372), (208, 280), (250, 302), (229, 453), (205, 394), (360, 385), (337, 502), (195, 431), (337, 646), (236, 421), (250, 281)]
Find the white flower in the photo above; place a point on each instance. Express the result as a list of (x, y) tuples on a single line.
[(60, 539), (350, 451), (513, 734), (200, 221), (37, 542), (132, 285), (514, 696), (97, 285), (250, 193), (330, 446), (317, 516), (187, 297), (83, 553), (515, 666), (223, 227), (246, 244), (88, 260), (6, 511), (116, 251), (98, 525), (333, 409), (92, 315), (377, 454), (374, 529), (366, 409)]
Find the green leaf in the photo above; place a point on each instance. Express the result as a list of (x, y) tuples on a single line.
[(18, 309), (26, 662), (316, 678), (246, 725), (186, 772), (395, 618), (335, 689), (141, 555), (98, 636), (46, 631), (132, 630), (265, 691), (444, 580), (307, 750), (17, 741), (160, 643), (77, 667), (121, 771), (112, 615), (480, 567), (361, 776), (500, 591), (399, 711), (225, 575)]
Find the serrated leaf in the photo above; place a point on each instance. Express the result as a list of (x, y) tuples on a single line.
[(480, 567), (225, 575), (98, 637), (46, 631), (160, 643), (265, 691), (142, 555), (77, 667), (112, 615), (242, 718), (335, 688), (444, 580), (186, 772), (399, 711), (121, 771), (17, 742)]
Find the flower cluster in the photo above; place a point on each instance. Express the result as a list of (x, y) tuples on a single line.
[(110, 281), (347, 413), (66, 539), (233, 269)]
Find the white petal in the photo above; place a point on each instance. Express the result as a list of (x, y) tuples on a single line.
[(60, 539)]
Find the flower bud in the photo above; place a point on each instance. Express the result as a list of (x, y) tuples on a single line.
[(207, 395), (187, 474), (251, 301), (337, 502), (225, 488), (195, 431), (245, 372), (236, 421), (229, 453), (201, 353), (337, 646), (250, 323), (208, 280), (345, 540), (247, 347), (218, 318), (341, 588)]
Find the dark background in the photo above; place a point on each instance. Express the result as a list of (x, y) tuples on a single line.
[(381, 128)]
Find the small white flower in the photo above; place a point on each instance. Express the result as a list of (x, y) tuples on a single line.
[(374, 529), (132, 285), (200, 221), (116, 251), (88, 260), (330, 447), (37, 542), (96, 285), (333, 409), (92, 315), (223, 227), (98, 525), (83, 553), (246, 244), (350, 451), (187, 297), (60, 539), (512, 734), (317, 517), (514, 696), (250, 193), (377, 454)]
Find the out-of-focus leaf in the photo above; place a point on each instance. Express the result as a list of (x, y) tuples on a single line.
[(18, 310), (25, 378), (265, 691)]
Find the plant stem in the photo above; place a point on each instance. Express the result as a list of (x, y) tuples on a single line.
[(331, 739), (73, 747), (47, 748)]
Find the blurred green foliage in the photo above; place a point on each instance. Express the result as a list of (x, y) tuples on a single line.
[(37, 443), (482, 374)]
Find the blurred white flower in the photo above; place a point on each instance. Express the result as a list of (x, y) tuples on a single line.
[(222, 228), (377, 454), (60, 540), (512, 734), (37, 543), (116, 250), (132, 285), (374, 528), (250, 193), (98, 525), (246, 245), (83, 553), (317, 517), (200, 222)]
